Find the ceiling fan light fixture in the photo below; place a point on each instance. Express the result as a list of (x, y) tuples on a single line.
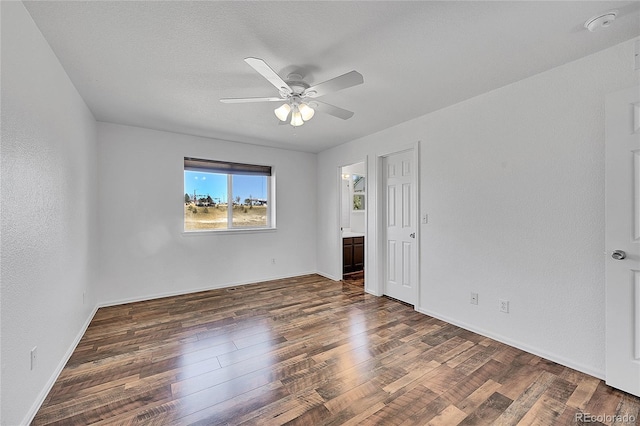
[(296, 117), (306, 111), (283, 111)]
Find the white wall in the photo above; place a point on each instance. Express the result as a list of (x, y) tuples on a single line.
[(49, 214), (513, 182), (143, 250)]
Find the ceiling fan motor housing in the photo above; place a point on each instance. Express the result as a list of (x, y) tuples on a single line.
[(296, 84)]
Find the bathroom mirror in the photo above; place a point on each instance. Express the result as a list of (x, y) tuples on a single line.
[(358, 183)]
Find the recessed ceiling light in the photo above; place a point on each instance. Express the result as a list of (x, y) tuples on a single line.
[(601, 21)]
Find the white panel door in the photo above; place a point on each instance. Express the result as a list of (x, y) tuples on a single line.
[(622, 239), (400, 224)]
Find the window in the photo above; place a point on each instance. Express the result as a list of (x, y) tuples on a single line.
[(221, 195)]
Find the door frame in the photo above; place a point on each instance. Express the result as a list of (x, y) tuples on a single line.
[(381, 233), (366, 216)]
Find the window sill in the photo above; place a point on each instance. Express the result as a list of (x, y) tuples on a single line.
[(227, 231)]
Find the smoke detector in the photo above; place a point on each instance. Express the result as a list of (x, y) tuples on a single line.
[(601, 21)]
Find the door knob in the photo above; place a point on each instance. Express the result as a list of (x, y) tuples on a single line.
[(412, 235), (618, 254)]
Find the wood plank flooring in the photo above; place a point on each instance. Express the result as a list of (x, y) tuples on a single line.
[(309, 351), (356, 278)]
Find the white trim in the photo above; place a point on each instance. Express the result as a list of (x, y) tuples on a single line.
[(202, 232), (230, 201), (416, 193), (378, 287), (599, 374), (330, 277), (271, 199), (56, 373), (197, 290), (367, 185), (340, 266), (398, 149), (372, 292)]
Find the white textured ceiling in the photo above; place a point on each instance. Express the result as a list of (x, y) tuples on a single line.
[(165, 65)]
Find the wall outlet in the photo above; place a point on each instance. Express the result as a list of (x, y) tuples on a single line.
[(273, 261), (504, 306), (474, 298), (34, 357), (425, 218)]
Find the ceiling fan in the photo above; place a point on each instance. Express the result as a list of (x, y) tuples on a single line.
[(299, 98)]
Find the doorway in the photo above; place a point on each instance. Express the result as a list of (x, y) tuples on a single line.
[(399, 194), (353, 221)]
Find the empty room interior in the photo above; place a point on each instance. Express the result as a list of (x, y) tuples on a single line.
[(320, 212)]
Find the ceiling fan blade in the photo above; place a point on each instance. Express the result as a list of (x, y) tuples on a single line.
[(267, 72), (246, 100), (350, 79), (332, 110)]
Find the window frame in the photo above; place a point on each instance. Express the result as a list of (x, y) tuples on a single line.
[(229, 169)]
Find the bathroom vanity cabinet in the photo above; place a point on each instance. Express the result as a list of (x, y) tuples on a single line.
[(352, 254)]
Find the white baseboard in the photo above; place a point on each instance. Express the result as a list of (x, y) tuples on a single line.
[(522, 346), (328, 276), (196, 290), (373, 292), (52, 380)]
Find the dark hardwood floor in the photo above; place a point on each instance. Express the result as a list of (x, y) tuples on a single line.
[(309, 351), (356, 278)]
